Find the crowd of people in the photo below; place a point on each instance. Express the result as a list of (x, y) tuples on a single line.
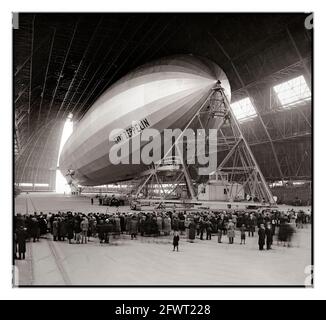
[(77, 227)]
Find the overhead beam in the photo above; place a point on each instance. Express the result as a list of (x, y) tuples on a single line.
[(46, 74), (298, 52)]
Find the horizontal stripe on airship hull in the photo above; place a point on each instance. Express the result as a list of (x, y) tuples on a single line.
[(165, 98)]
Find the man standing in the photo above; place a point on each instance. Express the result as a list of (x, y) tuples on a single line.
[(261, 237), (269, 237), (231, 232), (133, 227), (209, 229), (84, 229), (251, 225), (21, 241)]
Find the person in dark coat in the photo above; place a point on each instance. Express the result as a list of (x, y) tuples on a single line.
[(122, 223), (107, 228), (100, 230), (133, 227), (70, 229), (175, 224), (251, 225), (202, 228), (21, 241), (55, 229), (181, 222), (261, 237), (209, 229), (62, 229), (269, 237), (34, 229), (220, 227), (282, 233), (77, 228), (192, 231), (176, 239), (42, 225)]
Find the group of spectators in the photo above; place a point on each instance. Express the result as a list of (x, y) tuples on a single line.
[(78, 227)]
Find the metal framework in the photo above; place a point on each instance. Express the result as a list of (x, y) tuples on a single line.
[(239, 166)]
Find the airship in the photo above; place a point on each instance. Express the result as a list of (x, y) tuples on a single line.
[(162, 94)]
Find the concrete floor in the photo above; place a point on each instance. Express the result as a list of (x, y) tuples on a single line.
[(149, 261)]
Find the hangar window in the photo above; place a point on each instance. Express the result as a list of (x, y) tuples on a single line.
[(41, 184), (26, 184), (293, 92), (243, 109)]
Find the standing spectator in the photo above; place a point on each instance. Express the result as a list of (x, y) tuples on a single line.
[(62, 229), (251, 225), (84, 229), (77, 228), (176, 239), (107, 227), (209, 228), (274, 222), (55, 229), (21, 241), (243, 234), (175, 223), (133, 227), (192, 231), (42, 224), (202, 228), (219, 231), (261, 237), (92, 227), (159, 222), (269, 237), (282, 233), (166, 225), (122, 222), (182, 220), (35, 229), (231, 232), (100, 231), (70, 229)]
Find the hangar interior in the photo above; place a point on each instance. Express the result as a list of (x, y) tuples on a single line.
[(63, 63)]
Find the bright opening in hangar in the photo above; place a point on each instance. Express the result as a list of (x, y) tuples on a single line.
[(243, 109), (61, 185), (293, 92)]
